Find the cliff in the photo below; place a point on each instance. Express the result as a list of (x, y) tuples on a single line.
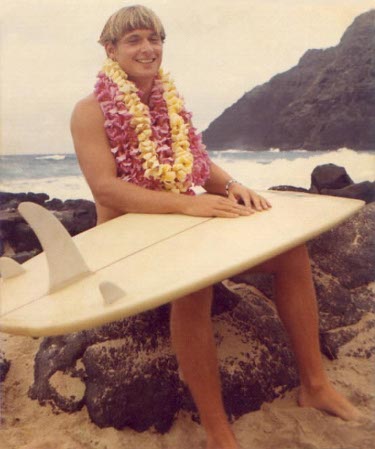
[(325, 102)]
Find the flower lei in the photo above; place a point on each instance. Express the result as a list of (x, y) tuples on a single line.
[(175, 171)]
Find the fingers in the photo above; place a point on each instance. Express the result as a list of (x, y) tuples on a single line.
[(250, 199), (259, 202), (208, 205), (265, 203), (226, 207), (243, 198)]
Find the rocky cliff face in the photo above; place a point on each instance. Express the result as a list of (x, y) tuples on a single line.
[(325, 102)]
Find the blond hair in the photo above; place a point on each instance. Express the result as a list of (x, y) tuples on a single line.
[(128, 19)]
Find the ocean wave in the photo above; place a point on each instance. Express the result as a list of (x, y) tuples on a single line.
[(262, 173), (230, 151), (259, 170), (66, 187), (53, 157)]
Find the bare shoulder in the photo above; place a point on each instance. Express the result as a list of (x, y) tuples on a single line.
[(87, 111)]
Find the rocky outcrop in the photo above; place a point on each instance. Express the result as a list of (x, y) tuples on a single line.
[(330, 179), (332, 253), (128, 368), (325, 102), (18, 239), (126, 374)]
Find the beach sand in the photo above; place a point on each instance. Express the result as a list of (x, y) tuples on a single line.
[(25, 424)]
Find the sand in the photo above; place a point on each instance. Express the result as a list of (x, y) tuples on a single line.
[(25, 424)]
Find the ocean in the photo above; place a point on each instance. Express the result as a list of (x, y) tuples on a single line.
[(59, 175)]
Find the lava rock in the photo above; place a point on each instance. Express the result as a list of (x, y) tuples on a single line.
[(336, 340), (126, 385), (287, 188), (75, 215), (337, 307), (4, 366), (364, 191), (23, 238), (348, 251), (329, 176), (7, 198), (130, 369)]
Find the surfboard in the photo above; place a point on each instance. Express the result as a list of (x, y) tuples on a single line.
[(137, 262)]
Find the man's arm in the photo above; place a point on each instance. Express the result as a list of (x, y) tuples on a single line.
[(219, 183), (99, 168)]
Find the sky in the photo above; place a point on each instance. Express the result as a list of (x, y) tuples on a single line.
[(216, 50)]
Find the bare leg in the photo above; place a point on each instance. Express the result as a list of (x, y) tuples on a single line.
[(297, 307), (193, 342)]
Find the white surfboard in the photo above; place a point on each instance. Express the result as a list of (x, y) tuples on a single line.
[(138, 261)]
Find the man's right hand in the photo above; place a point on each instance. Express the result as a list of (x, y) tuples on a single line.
[(207, 205)]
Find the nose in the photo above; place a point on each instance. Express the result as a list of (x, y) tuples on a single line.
[(146, 45)]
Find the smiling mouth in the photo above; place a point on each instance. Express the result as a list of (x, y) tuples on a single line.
[(146, 61)]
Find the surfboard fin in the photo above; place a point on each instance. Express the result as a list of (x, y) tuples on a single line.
[(110, 292), (10, 268), (65, 262)]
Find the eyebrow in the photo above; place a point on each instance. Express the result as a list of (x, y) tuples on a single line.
[(136, 34)]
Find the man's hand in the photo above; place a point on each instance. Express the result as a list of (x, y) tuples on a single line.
[(207, 205), (241, 194)]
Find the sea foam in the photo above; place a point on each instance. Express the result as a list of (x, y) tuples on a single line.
[(258, 170)]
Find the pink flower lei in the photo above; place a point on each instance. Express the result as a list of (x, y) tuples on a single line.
[(124, 142)]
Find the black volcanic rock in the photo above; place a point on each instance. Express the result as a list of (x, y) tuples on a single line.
[(330, 179), (325, 102), (4, 366), (329, 176), (130, 372), (361, 191), (75, 215), (127, 372), (332, 255)]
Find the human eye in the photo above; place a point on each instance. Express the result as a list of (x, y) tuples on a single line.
[(155, 39), (134, 39)]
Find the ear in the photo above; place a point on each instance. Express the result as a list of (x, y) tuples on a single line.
[(110, 49)]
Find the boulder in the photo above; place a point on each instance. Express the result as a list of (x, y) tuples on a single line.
[(348, 251), (128, 368), (75, 215), (364, 191), (329, 176), (11, 200), (330, 179), (126, 374)]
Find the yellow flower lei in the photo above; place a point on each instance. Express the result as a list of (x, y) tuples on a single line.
[(173, 177)]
